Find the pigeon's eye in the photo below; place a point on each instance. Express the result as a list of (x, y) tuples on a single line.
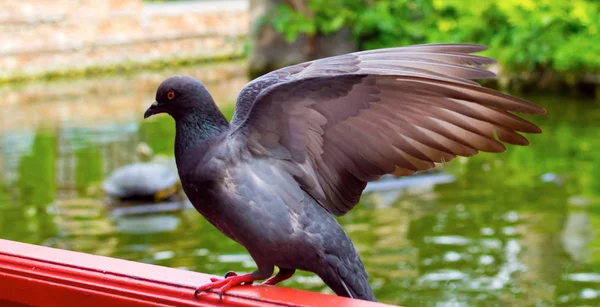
[(170, 95)]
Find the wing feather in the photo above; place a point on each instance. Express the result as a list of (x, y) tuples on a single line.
[(342, 121)]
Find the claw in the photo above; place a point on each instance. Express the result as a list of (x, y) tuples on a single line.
[(222, 285), (230, 274)]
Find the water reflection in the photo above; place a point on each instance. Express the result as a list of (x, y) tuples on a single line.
[(512, 229)]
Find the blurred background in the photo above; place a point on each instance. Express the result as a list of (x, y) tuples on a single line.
[(80, 170)]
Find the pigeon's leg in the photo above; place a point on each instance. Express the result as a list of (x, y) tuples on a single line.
[(282, 275), (232, 280)]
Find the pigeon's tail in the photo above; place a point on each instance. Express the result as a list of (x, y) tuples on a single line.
[(346, 276)]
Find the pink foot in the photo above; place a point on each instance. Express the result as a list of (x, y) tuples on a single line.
[(222, 285)]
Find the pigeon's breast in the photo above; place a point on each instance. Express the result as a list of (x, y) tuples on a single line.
[(256, 203)]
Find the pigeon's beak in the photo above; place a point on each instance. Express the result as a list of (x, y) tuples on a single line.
[(153, 109)]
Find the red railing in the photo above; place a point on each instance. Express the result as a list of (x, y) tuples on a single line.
[(32, 275)]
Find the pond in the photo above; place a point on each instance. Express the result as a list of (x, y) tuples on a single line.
[(512, 229)]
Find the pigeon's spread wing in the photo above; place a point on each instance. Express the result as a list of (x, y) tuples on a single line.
[(381, 112), (445, 61)]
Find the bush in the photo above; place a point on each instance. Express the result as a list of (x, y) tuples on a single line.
[(522, 34)]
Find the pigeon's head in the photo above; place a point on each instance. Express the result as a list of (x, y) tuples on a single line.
[(179, 95)]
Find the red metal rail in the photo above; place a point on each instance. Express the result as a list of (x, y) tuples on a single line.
[(32, 275)]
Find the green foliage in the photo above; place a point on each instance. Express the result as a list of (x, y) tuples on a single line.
[(37, 171), (88, 167), (291, 23), (522, 34)]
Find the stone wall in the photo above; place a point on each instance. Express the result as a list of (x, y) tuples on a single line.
[(105, 99), (42, 36)]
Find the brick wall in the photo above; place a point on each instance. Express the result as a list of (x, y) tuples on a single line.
[(40, 36)]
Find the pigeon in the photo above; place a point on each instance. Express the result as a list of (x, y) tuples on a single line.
[(305, 140)]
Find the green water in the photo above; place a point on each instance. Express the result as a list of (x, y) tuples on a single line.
[(514, 229)]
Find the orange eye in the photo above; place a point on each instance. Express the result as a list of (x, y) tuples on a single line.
[(171, 95)]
